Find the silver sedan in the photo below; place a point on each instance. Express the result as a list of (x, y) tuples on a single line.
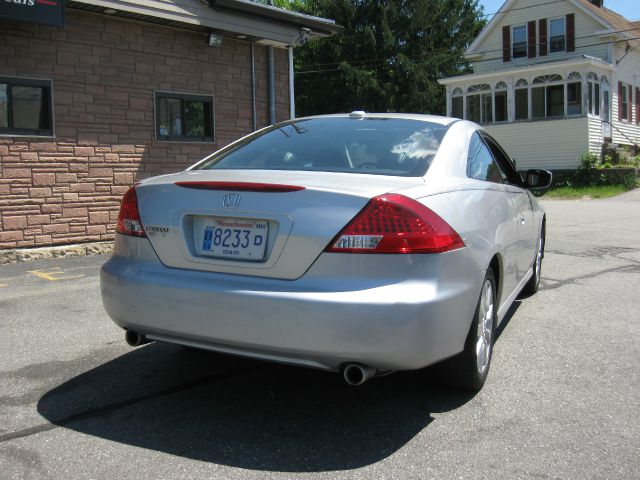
[(360, 243)]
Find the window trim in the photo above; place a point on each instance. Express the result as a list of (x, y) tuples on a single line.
[(564, 24), (158, 94), (31, 82)]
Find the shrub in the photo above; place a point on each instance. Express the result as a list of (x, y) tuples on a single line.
[(589, 173)]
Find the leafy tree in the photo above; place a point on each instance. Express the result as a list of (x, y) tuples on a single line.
[(388, 57)]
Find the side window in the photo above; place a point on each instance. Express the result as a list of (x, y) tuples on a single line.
[(481, 164), (506, 166)]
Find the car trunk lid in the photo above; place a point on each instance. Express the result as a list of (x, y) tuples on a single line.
[(224, 221)]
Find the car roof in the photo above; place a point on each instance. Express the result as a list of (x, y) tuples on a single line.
[(405, 116)]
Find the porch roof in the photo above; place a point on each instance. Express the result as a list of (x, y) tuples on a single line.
[(546, 67)]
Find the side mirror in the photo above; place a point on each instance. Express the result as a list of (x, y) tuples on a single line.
[(536, 179)]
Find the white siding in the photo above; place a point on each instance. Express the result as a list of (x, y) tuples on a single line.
[(627, 71), (551, 144), (595, 134), (585, 25)]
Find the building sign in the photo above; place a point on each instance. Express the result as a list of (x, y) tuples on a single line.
[(44, 12)]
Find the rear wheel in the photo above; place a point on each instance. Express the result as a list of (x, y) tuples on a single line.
[(469, 369), (534, 282)]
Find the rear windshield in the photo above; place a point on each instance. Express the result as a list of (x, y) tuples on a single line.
[(379, 146)]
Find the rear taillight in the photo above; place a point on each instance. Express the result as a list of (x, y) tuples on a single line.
[(394, 223), (129, 222)]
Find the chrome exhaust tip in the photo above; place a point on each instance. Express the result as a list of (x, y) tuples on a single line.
[(356, 374), (135, 339)]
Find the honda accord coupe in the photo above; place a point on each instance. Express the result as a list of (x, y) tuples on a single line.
[(359, 243)]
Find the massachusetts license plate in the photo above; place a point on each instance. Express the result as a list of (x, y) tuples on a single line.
[(235, 238)]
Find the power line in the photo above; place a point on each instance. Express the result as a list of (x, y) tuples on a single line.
[(521, 8), (452, 64), (445, 51)]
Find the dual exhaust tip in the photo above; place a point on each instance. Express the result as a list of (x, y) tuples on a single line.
[(354, 374)]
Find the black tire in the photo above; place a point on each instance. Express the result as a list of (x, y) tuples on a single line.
[(533, 284), (464, 371)]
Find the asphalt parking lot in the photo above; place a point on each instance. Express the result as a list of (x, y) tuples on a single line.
[(562, 399)]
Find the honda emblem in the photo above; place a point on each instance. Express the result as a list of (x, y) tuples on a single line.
[(231, 200)]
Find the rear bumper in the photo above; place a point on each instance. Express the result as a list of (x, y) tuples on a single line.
[(388, 311)]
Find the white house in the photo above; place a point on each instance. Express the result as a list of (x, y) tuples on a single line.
[(552, 80)]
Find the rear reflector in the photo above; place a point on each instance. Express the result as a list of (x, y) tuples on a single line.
[(129, 222), (394, 223), (241, 186)]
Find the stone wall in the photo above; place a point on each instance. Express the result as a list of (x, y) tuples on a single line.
[(67, 189)]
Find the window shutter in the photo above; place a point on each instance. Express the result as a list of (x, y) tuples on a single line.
[(637, 105), (542, 26), (630, 103), (571, 33), (620, 92), (531, 39), (506, 43)]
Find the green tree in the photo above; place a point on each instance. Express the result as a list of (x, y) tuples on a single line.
[(388, 57)]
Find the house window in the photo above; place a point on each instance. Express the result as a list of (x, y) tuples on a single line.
[(26, 107), (557, 35), (593, 94), (547, 101), (457, 103), (574, 94), (519, 41), (522, 100), (624, 101), (479, 104), (500, 102), (184, 117), (606, 108)]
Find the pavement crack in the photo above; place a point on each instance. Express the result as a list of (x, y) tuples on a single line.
[(105, 409)]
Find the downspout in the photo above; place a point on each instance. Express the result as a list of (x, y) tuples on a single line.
[(292, 99), (254, 113), (272, 81), (272, 86)]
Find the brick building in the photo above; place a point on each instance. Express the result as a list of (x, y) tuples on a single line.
[(124, 91)]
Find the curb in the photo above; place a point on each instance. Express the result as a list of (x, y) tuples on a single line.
[(19, 255)]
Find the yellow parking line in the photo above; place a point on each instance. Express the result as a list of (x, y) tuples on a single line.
[(53, 275)]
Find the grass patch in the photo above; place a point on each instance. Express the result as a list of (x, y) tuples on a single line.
[(595, 191)]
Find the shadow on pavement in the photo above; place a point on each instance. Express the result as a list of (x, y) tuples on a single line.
[(246, 414)]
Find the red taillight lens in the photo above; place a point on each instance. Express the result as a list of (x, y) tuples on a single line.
[(394, 223), (129, 222)]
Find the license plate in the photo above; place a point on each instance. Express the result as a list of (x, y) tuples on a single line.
[(235, 238)]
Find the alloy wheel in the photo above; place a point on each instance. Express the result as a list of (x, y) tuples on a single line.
[(485, 327)]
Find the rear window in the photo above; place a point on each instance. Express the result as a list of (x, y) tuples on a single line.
[(379, 146)]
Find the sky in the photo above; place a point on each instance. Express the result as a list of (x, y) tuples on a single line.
[(627, 8)]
